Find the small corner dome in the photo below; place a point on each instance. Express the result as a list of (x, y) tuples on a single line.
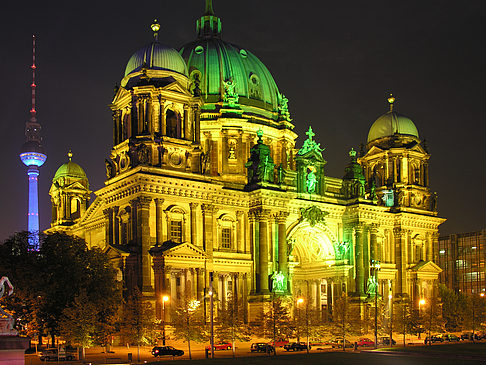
[(156, 56), (71, 170), (392, 123)]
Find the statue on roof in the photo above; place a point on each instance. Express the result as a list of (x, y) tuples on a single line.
[(283, 107), (309, 144), (230, 95)]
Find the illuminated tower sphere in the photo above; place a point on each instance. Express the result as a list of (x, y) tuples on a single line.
[(33, 156)]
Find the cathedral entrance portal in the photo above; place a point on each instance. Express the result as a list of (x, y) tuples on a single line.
[(314, 273)]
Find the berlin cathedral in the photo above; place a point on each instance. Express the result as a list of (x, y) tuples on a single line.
[(204, 183)]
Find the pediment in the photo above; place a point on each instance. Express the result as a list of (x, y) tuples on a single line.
[(374, 151), (426, 267), (185, 249), (114, 252), (177, 88)]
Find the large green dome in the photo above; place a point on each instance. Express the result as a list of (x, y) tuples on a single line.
[(219, 61), (392, 123), (212, 63)]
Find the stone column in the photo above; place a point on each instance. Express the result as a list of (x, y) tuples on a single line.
[(173, 289), (313, 291), (400, 249), (116, 226), (358, 231), (143, 240), (193, 207), (240, 231), (197, 127), (263, 251), (318, 297), (216, 290), (435, 247), (186, 122), (200, 283), (183, 281), (281, 219), (208, 227), (109, 225), (158, 221), (159, 279), (375, 255), (134, 219)]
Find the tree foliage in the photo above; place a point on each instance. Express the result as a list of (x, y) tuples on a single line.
[(230, 324), (49, 280), (187, 318), (454, 308), (275, 321), (346, 318), (137, 321)]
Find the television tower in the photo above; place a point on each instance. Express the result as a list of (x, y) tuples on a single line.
[(33, 156)]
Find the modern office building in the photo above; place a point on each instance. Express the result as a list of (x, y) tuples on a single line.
[(462, 257)]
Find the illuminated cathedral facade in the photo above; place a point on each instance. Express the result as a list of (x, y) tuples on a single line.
[(205, 177)]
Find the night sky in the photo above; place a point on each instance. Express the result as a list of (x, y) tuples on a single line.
[(336, 63)]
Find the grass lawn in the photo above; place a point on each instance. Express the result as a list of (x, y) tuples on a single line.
[(466, 349), (340, 358)]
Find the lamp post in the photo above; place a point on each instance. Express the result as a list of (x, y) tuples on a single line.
[(165, 298), (390, 308), (474, 315), (421, 303), (375, 266), (299, 301), (211, 311)]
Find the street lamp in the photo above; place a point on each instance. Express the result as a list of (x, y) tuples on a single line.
[(299, 301), (165, 298), (375, 266), (421, 303)]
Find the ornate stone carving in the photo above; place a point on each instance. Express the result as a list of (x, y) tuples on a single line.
[(313, 215)]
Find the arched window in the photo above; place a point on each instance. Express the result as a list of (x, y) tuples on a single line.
[(173, 124), (175, 223), (226, 227), (75, 208)]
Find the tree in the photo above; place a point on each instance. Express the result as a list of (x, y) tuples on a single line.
[(79, 320), (346, 318), (188, 321), (476, 313), (48, 281), (137, 322), (230, 323), (275, 322), (454, 308), (404, 321)]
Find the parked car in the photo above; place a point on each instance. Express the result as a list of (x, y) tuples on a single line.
[(222, 345), (385, 340), (338, 343), (469, 336), (433, 339), (279, 343), (166, 350), (56, 355), (296, 346), (261, 347), (450, 337), (365, 342)]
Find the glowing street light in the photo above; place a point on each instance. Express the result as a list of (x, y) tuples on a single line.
[(421, 303), (165, 298)]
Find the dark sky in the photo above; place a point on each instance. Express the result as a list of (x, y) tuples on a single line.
[(336, 63)]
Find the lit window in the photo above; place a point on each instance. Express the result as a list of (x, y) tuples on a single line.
[(442, 252), (176, 231), (226, 238)]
